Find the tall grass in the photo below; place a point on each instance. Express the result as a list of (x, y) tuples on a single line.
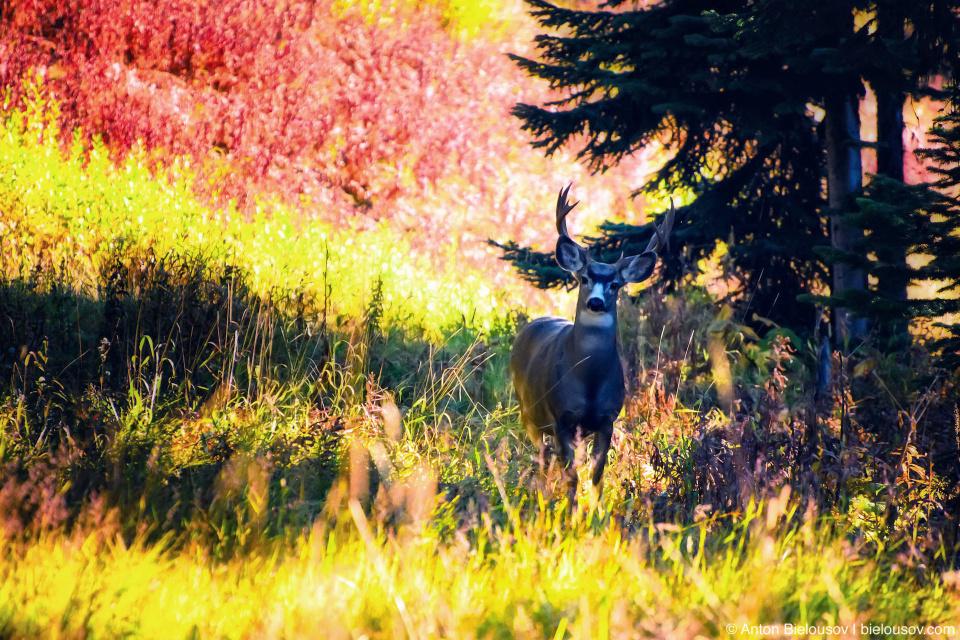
[(543, 577), (153, 337), (70, 210)]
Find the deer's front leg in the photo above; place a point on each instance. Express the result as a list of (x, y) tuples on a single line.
[(541, 444), (601, 445), (542, 456), (566, 431), (536, 437)]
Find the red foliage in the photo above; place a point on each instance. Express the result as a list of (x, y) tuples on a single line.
[(351, 117), (296, 99)]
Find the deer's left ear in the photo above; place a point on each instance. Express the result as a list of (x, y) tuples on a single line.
[(637, 268)]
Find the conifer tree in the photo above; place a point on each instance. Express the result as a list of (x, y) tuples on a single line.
[(914, 219), (733, 88), (944, 245), (925, 34)]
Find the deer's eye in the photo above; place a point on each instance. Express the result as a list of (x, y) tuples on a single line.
[(584, 280), (614, 286)]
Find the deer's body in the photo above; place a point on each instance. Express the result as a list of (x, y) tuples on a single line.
[(567, 375), (584, 383)]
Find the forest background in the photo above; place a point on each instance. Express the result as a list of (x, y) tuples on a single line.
[(253, 336)]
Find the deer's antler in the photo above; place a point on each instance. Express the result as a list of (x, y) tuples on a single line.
[(661, 237), (563, 208)]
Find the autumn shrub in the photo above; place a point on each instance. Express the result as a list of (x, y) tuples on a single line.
[(347, 112), (307, 99), (317, 102)]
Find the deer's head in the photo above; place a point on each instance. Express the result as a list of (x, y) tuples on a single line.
[(600, 282)]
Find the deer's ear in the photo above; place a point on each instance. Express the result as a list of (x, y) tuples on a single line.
[(638, 268), (570, 256)]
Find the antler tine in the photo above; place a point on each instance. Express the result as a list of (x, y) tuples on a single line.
[(661, 237), (563, 208)]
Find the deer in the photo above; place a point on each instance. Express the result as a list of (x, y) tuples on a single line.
[(568, 376)]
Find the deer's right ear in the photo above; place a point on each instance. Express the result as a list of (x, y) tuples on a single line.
[(570, 256)]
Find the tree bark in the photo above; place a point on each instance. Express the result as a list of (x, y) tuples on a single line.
[(890, 101), (844, 181), (890, 133)]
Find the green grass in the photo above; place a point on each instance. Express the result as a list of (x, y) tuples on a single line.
[(71, 209), (298, 431)]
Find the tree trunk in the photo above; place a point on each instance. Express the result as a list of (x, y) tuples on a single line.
[(892, 286), (890, 102), (844, 181), (890, 133)]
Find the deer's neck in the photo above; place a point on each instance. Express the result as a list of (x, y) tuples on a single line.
[(594, 334)]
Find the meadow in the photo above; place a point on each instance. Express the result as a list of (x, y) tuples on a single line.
[(236, 404)]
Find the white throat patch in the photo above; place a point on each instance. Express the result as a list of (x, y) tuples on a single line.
[(592, 319)]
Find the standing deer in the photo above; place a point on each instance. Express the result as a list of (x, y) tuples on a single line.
[(568, 375)]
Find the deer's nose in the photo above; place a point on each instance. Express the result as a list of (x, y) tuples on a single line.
[(595, 304)]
